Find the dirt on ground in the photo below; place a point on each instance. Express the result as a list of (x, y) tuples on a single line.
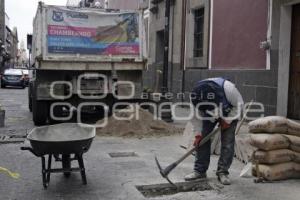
[(142, 125)]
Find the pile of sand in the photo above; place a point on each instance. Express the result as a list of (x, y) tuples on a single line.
[(143, 126)]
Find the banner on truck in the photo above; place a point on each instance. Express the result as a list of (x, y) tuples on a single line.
[(73, 32)]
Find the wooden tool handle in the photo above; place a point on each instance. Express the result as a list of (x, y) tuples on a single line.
[(203, 141)]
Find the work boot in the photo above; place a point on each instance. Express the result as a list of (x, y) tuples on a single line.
[(195, 176), (224, 179)]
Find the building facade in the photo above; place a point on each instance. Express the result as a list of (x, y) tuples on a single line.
[(2, 32), (11, 47), (14, 48), (239, 40), (123, 4), (286, 16), (22, 59), (2, 19), (9, 40)]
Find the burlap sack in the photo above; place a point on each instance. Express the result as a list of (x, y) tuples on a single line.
[(271, 124), (294, 142), (296, 157), (269, 141), (275, 156), (289, 170), (295, 148), (297, 167), (293, 128)]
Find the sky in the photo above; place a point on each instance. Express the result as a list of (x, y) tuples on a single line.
[(22, 12)]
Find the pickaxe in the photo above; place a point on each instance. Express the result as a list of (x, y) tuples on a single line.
[(165, 172)]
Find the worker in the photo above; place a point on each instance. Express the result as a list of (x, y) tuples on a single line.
[(217, 101)]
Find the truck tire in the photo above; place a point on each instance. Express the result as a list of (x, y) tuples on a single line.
[(39, 112), (56, 113)]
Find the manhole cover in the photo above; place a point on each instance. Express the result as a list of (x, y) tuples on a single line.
[(122, 154), (157, 190), (131, 165)]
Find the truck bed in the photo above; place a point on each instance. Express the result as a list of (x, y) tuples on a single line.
[(89, 65), (86, 38)]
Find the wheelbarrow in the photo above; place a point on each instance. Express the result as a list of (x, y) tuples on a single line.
[(64, 142)]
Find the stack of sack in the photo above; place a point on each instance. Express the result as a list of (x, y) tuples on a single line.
[(277, 140)]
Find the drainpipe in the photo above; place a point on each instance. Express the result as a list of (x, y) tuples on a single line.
[(166, 116), (166, 47), (172, 51), (183, 46)]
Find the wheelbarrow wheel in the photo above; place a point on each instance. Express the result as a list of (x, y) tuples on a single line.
[(66, 164)]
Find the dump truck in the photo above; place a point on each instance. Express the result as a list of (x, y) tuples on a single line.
[(84, 58)]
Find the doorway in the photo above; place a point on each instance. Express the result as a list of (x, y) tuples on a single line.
[(294, 80)]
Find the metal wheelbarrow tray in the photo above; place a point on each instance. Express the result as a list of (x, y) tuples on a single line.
[(61, 141)]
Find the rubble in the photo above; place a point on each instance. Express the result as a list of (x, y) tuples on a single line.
[(143, 124)]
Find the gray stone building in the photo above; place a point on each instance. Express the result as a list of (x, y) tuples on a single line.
[(9, 47), (9, 40), (2, 30), (14, 46), (2, 19), (246, 41)]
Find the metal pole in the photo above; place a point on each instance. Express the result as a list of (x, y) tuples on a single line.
[(29, 59), (166, 47), (183, 46)]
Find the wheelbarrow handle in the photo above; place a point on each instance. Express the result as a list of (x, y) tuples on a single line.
[(85, 148), (26, 148), (29, 149)]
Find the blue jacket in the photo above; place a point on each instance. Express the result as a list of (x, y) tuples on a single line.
[(211, 90)]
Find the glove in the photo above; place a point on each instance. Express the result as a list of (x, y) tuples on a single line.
[(224, 125), (197, 140)]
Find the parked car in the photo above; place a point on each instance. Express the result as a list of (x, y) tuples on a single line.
[(13, 77), (26, 76)]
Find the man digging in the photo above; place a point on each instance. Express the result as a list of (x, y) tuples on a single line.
[(217, 101)]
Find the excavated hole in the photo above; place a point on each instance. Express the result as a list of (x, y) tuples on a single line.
[(122, 154), (158, 190)]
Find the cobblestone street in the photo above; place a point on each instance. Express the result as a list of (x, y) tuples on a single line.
[(18, 118), (115, 178)]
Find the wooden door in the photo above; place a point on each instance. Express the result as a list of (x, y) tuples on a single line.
[(294, 86)]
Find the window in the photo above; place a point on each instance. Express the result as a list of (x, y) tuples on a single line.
[(198, 34)]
